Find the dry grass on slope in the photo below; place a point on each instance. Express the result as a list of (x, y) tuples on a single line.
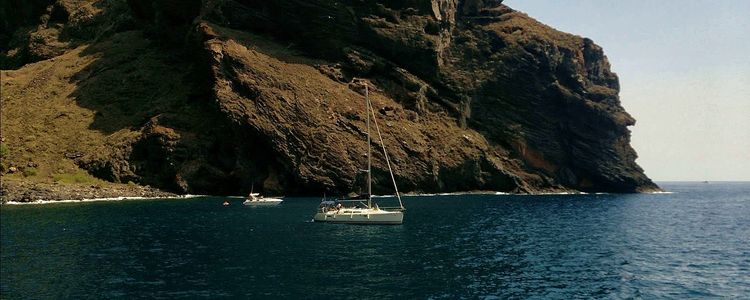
[(59, 109), (519, 27)]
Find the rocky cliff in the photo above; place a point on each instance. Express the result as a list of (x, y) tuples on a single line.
[(214, 96)]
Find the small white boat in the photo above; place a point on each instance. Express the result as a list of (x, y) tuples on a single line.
[(364, 210), (257, 199)]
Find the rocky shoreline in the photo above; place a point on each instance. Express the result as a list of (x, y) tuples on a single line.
[(26, 191), (22, 191)]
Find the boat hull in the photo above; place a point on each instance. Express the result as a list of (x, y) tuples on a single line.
[(263, 202), (361, 217)]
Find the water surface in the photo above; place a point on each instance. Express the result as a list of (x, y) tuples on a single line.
[(691, 243)]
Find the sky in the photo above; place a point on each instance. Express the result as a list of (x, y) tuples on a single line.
[(684, 68)]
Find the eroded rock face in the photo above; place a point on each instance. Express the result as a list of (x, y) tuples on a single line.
[(470, 95)]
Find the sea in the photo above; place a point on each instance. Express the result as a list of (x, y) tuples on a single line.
[(691, 242)]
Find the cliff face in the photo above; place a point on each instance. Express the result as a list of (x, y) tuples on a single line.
[(213, 96)]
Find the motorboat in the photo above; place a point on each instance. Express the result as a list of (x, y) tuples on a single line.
[(257, 199)]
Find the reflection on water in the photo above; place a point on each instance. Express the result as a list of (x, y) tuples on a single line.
[(688, 244)]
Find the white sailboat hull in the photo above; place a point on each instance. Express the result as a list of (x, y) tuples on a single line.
[(360, 216)]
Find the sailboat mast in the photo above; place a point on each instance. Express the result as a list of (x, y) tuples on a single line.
[(369, 156)]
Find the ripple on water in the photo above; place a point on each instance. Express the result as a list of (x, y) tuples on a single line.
[(689, 244)]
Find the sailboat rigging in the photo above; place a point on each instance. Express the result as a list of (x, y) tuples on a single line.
[(336, 212)]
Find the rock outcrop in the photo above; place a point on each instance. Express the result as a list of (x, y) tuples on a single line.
[(215, 96)]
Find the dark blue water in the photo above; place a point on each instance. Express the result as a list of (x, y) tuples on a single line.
[(694, 243)]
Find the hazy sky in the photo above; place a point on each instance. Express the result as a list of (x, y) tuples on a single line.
[(684, 69)]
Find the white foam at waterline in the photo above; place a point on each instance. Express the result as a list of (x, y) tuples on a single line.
[(500, 194), (550, 194), (39, 202), (441, 194), (454, 194)]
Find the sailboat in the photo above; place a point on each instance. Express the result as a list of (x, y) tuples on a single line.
[(257, 199), (356, 210)]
